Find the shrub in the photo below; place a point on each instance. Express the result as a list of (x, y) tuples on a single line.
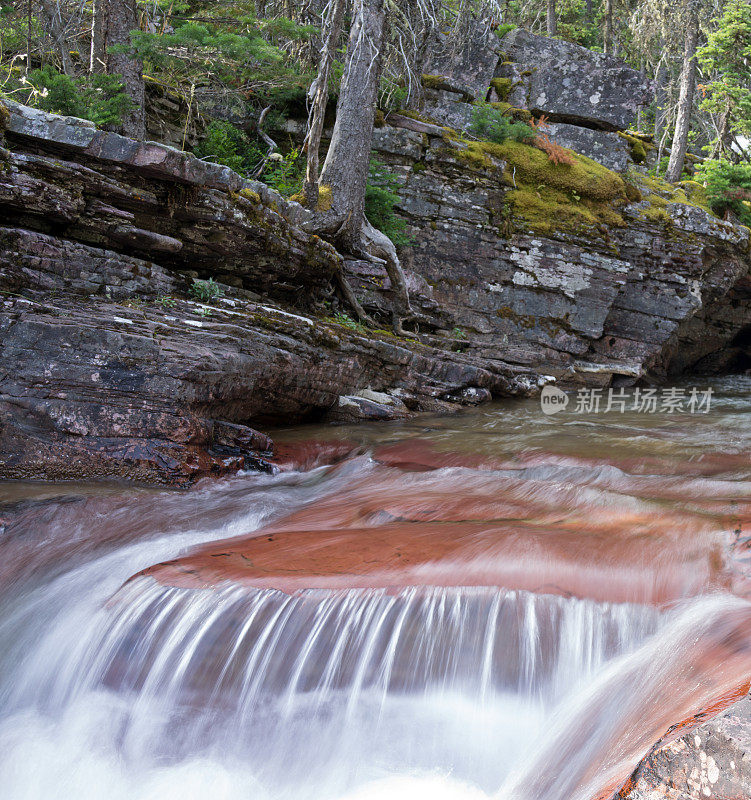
[(99, 98), (493, 125), (554, 151), (206, 291), (728, 188), (502, 30), (285, 173), (380, 199), (225, 143)]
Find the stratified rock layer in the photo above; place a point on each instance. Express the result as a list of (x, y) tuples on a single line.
[(662, 290), (109, 373)]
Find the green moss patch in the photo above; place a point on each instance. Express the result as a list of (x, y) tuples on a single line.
[(638, 147), (441, 83), (249, 194), (503, 87), (550, 197), (660, 194), (325, 198)]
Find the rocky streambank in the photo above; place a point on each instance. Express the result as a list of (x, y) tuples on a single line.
[(523, 272)]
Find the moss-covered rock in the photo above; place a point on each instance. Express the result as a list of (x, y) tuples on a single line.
[(550, 197), (519, 114), (639, 146), (4, 117)]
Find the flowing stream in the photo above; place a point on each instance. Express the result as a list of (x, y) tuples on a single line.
[(499, 604)]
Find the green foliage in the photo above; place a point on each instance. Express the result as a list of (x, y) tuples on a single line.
[(229, 52), (381, 198), (224, 143), (502, 30), (492, 125), (346, 321), (726, 56), (728, 187), (99, 98), (206, 291), (285, 173)]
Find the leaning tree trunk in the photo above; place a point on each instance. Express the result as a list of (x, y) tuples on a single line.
[(121, 20), (686, 95), (320, 93), (551, 18), (345, 171)]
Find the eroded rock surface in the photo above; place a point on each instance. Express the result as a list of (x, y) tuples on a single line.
[(109, 373)]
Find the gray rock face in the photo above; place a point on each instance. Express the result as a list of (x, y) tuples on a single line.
[(448, 108), (144, 199), (569, 83), (110, 371), (609, 149), (49, 263), (712, 761), (468, 58), (164, 393)]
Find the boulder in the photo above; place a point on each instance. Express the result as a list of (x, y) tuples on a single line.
[(568, 83), (448, 108)]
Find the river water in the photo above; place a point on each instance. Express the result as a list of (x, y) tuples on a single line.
[(498, 604)]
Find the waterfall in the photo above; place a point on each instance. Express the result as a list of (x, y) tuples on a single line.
[(321, 691)]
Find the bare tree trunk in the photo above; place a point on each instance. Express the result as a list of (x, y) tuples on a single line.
[(320, 90), (53, 22), (551, 18), (345, 171), (28, 36), (686, 96), (348, 159), (723, 134), (98, 52), (607, 33), (121, 20)]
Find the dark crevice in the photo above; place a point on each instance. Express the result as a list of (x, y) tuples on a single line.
[(581, 122)]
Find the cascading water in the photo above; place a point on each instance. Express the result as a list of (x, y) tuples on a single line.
[(219, 675)]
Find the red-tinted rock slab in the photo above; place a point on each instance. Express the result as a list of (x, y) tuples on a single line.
[(571, 529), (309, 454)]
